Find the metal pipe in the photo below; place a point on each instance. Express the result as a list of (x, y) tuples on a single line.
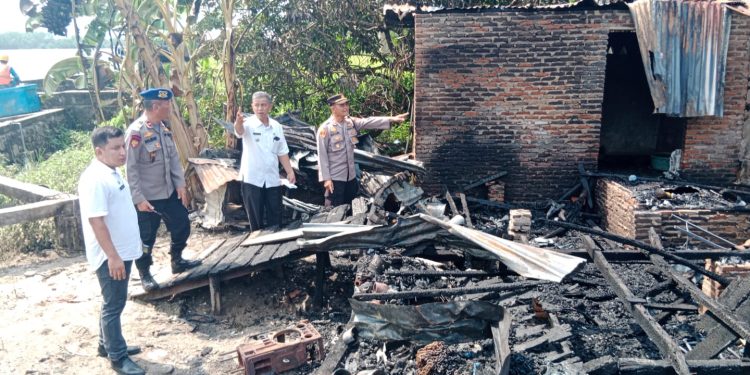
[(688, 222), (699, 238)]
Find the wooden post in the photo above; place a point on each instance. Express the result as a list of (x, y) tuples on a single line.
[(214, 285)]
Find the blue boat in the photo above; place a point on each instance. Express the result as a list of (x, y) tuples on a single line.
[(19, 100)]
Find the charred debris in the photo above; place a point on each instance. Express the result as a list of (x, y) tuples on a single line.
[(462, 283)]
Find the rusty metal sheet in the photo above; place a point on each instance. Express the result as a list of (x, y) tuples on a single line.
[(213, 173), (684, 51), (525, 260)]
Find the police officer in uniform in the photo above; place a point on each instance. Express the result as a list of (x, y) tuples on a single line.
[(157, 183), (337, 138)]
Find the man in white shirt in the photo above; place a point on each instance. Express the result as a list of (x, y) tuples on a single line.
[(263, 147), (110, 230)]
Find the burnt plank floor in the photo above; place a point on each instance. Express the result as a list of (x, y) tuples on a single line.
[(227, 259)]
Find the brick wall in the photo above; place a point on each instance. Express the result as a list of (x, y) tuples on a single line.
[(511, 91), (617, 207), (621, 214), (521, 91), (712, 144)]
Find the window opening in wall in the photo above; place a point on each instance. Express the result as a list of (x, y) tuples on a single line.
[(633, 138)]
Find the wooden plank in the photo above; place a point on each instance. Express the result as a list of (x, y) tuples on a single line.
[(631, 255), (202, 282), (246, 257), (554, 335), (265, 254), (727, 317), (210, 261), (37, 211), (585, 184), (26, 192), (650, 326), (229, 259), (467, 214), (335, 353), (484, 180), (166, 282), (452, 204), (285, 249), (500, 332), (642, 366)]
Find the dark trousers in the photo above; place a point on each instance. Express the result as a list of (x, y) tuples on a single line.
[(344, 192), (175, 217), (114, 295), (262, 203)]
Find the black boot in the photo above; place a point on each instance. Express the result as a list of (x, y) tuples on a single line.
[(147, 281), (143, 264), (180, 264)]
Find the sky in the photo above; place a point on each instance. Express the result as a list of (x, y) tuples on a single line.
[(11, 18)]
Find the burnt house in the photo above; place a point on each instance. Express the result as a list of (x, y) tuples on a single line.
[(535, 91)]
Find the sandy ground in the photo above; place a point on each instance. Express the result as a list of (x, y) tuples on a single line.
[(49, 308)]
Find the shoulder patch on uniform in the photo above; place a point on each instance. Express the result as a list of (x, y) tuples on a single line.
[(135, 140)]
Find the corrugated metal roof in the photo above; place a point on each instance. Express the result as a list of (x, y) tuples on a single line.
[(405, 8), (402, 14), (213, 173), (685, 65)]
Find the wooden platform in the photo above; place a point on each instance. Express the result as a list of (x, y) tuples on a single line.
[(227, 259)]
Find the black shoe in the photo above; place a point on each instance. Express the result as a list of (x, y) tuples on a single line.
[(181, 265), (148, 282), (131, 350), (126, 366)]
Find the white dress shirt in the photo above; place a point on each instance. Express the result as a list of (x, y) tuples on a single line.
[(103, 192), (261, 147)]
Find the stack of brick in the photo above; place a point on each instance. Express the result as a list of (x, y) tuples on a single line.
[(519, 223), (711, 287), (496, 191)]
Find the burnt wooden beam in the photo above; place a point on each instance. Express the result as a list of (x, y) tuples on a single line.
[(336, 353), (500, 333), (569, 192), (452, 204), (466, 210), (409, 294), (488, 203), (484, 180), (719, 311), (585, 184), (642, 366), (553, 335), (664, 306), (632, 255), (642, 245), (650, 326)]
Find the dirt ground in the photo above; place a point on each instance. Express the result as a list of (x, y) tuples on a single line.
[(49, 306)]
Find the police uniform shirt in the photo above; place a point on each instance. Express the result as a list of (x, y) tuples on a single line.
[(103, 192), (261, 147), (153, 165), (336, 143)]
